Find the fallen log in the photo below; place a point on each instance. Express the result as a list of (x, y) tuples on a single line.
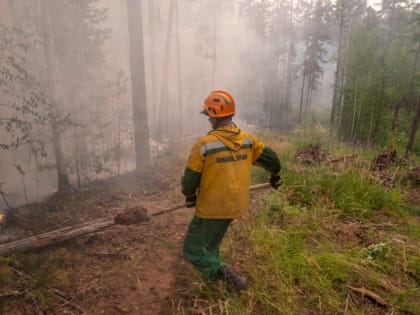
[(52, 237), (134, 215)]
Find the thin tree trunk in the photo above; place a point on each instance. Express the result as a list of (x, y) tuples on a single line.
[(163, 102), (178, 53), (37, 176), (138, 87), (24, 192), (153, 51), (371, 124), (77, 156), (413, 131), (359, 114), (308, 94), (340, 109), (354, 112), (289, 80), (411, 90), (117, 104), (290, 60), (63, 179), (384, 67), (337, 90), (213, 76), (301, 98), (395, 114), (12, 14)]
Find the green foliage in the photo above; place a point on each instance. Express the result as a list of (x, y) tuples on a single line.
[(23, 105), (6, 274), (348, 191), (413, 267), (377, 251), (31, 274), (380, 78), (413, 231), (324, 230)]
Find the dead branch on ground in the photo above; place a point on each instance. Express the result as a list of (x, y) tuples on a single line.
[(370, 295)]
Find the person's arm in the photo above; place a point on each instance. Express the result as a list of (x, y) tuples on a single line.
[(266, 158), (269, 160), (190, 182), (192, 174)]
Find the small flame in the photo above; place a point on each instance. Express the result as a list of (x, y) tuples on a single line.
[(1, 218)]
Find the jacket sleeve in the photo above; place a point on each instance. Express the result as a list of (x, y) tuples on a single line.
[(192, 174), (190, 182), (269, 160)]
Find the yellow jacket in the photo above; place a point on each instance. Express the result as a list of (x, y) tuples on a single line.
[(219, 167)]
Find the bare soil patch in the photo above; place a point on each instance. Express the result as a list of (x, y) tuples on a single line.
[(128, 268)]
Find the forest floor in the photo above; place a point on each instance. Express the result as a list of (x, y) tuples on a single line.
[(123, 269)]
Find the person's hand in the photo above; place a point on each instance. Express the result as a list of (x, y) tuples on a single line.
[(275, 181), (190, 201)]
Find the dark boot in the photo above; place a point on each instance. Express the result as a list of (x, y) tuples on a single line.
[(234, 282)]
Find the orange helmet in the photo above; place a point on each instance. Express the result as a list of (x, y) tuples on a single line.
[(219, 104)]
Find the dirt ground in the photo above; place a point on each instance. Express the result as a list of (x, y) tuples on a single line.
[(123, 269)]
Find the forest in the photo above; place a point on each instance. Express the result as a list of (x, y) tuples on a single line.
[(100, 105)]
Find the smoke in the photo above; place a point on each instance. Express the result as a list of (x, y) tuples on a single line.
[(210, 46)]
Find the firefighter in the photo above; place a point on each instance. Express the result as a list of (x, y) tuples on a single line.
[(216, 182)]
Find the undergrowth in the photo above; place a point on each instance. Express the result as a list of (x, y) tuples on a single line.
[(31, 276), (330, 241)]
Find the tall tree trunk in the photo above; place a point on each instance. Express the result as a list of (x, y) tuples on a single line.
[(138, 87), (61, 167), (413, 131), (353, 122), (153, 51), (77, 156), (163, 102), (289, 80), (384, 68), (338, 84), (180, 128), (12, 11), (395, 114), (341, 106), (289, 65), (302, 90), (411, 90), (213, 76), (308, 93)]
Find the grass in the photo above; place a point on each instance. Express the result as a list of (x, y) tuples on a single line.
[(36, 288), (327, 229)]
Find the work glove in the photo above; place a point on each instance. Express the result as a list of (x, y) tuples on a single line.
[(190, 201), (275, 181)]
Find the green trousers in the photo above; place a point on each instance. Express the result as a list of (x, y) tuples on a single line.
[(202, 245)]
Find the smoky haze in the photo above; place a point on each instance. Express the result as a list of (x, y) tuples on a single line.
[(190, 49)]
